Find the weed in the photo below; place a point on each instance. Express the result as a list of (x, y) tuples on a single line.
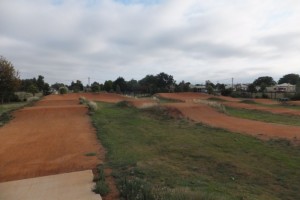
[(101, 186)]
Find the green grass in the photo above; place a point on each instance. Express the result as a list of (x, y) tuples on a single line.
[(167, 100), (293, 120), (11, 106), (216, 99), (156, 157), (6, 109)]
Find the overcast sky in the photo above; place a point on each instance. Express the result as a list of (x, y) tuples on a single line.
[(193, 40)]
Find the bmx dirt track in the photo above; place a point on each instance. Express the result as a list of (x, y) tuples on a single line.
[(205, 114), (49, 138)]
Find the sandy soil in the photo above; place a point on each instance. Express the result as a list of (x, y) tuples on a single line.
[(49, 138), (262, 108), (207, 115)]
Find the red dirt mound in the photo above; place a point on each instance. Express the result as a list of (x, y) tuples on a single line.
[(205, 114), (48, 139)]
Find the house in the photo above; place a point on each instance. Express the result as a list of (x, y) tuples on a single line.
[(198, 88), (285, 87), (241, 87)]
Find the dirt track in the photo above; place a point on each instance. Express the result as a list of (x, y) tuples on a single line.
[(207, 115), (51, 137), (262, 108)]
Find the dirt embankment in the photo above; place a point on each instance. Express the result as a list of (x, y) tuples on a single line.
[(51, 137), (207, 115)]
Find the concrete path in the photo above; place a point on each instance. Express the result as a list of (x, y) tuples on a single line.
[(69, 186)]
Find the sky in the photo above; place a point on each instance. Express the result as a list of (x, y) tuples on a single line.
[(193, 40)]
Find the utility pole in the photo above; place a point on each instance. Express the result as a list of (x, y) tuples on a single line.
[(232, 83), (88, 81)]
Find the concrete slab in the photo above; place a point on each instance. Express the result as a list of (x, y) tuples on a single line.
[(73, 186)]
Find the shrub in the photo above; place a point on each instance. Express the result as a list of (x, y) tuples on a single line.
[(295, 97), (220, 107), (63, 90), (32, 99), (82, 100), (92, 106)]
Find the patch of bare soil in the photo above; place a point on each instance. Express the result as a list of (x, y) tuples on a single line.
[(49, 138), (285, 111), (208, 115)]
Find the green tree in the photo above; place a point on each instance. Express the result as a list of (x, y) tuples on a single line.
[(40, 83), (33, 89), (120, 81), (9, 80), (63, 90), (108, 86), (251, 88), (95, 87), (76, 86), (265, 81), (289, 78)]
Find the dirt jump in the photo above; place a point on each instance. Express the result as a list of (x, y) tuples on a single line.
[(52, 137)]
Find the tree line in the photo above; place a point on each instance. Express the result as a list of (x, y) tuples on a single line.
[(10, 82)]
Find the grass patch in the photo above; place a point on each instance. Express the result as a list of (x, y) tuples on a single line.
[(248, 101), (101, 186), (293, 120), (155, 157), (216, 99), (6, 109), (168, 100)]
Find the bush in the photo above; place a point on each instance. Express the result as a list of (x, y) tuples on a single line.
[(32, 99), (63, 90), (296, 97), (92, 106), (82, 100), (220, 107)]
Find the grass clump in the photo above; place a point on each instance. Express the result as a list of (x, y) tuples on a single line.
[(248, 101), (154, 157), (92, 106), (82, 100), (218, 106), (33, 99), (101, 186)]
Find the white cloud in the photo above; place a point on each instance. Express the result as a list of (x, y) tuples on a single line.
[(192, 40)]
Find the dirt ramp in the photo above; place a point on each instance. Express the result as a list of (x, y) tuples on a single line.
[(207, 115)]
